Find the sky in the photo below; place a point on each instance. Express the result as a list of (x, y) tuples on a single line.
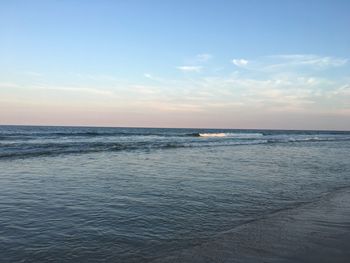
[(202, 64)]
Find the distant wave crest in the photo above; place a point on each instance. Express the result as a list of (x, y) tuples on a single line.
[(43, 142), (212, 134), (232, 135)]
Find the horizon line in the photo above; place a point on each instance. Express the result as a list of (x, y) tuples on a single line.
[(157, 127)]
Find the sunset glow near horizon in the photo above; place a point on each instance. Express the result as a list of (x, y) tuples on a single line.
[(213, 64)]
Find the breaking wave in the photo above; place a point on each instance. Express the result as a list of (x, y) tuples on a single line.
[(231, 135), (45, 141)]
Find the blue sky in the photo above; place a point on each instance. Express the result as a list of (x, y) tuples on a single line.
[(230, 64)]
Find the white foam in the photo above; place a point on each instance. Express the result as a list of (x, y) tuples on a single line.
[(212, 135), (232, 135)]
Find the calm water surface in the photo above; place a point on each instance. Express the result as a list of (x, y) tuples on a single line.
[(130, 195)]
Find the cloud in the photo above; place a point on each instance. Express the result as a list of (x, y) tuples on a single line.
[(253, 92), (8, 85), (97, 77), (43, 87), (240, 62), (203, 57), (295, 61), (288, 63), (194, 64), (33, 74), (96, 91), (143, 89), (190, 68), (313, 60), (151, 77), (278, 84), (174, 106), (342, 91)]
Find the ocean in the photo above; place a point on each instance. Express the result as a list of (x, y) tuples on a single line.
[(88, 194)]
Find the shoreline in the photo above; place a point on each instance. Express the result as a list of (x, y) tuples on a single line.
[(314, 232)]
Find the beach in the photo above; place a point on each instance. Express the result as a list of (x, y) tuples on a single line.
[(314, 232)]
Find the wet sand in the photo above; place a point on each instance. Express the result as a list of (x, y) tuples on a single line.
[(314, 232)]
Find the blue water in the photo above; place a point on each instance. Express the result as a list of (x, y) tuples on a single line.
[(134, 194)]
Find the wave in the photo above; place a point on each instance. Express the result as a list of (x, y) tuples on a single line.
[(19, 150), (40, 149), (68, 134), (239, 134), (212, 134), (230, 135), (43, 142), (23, 150), (297, 139), (26, 136)]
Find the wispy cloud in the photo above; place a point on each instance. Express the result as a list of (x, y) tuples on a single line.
[(311, 60), (147, 75), (203, 57), (195, 64), (33, 73), (8, 85), (60, 88), (152, 77), (143, 89), (97, 91), (174, 106), (240, 62), (97, 77), (343, 90), (190, 68), (278, 84), (294, 62)]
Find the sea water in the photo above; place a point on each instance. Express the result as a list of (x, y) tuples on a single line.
[(74, 194)]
